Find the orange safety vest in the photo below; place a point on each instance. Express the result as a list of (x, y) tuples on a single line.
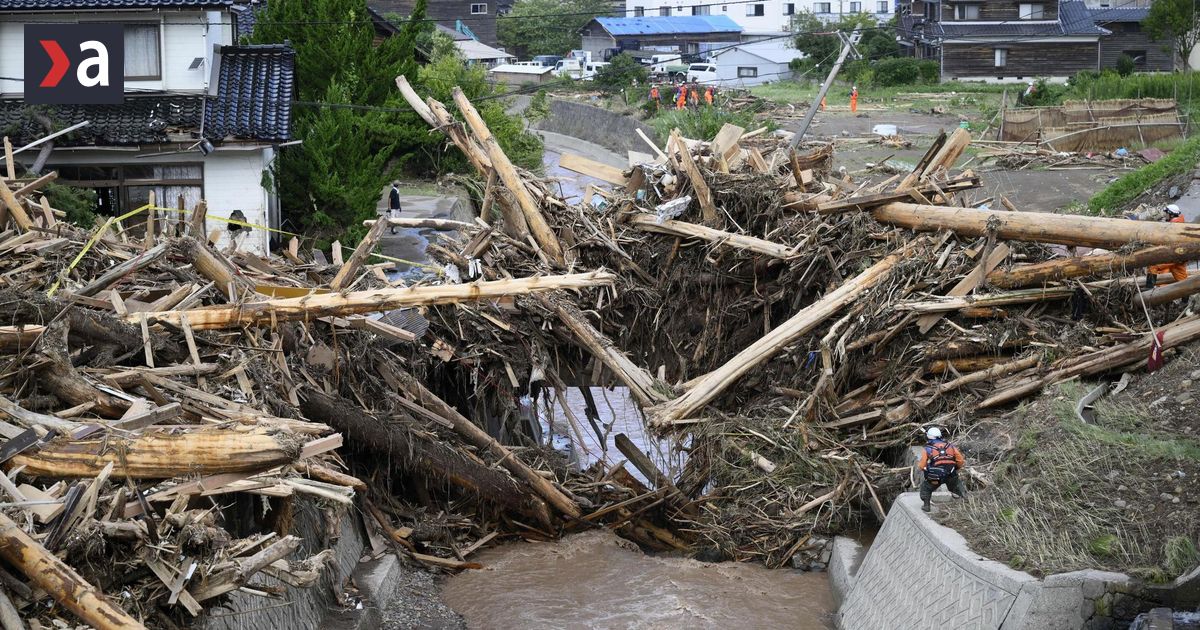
[(1178, 271)]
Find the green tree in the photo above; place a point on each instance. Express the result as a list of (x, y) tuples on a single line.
[(1176, 20), (547, 27), (621, 73), (1125, 65), (815, 38), (812, 40)]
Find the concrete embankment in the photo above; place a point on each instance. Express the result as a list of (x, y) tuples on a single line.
[(613, 131), (919, 574)]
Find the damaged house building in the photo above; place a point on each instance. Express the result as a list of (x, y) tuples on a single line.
[(202, 118)]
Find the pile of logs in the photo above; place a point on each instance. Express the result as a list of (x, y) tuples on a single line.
[(786, 327)]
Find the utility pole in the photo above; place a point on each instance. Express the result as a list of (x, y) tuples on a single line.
[(847, 46)]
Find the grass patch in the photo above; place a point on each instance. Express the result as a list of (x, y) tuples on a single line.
[(1183, 159), (703, 123)]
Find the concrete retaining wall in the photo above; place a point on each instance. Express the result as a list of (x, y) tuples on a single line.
[(610, 130), (919, 574)]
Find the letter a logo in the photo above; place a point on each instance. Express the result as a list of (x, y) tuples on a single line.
[(74, 64)]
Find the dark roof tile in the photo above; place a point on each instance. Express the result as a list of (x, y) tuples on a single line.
[(56, 5)]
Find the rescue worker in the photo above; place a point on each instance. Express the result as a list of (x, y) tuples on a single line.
[(654, 95), (394, 204), (940, 463), (695, 95), (681, 97), (708, 96), (1177, 270), (854, 98)]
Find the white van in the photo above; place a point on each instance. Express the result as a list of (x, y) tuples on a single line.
[(702, 73), (590, 69)]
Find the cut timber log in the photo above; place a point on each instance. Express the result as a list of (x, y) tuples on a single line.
[(592, 168), (59, 580), (339, 304), (345, 275), (213, 265), (1172, 292), (864, 202), (1103, 264), (446, 225), (650, 223), (641, 384), (1041, 227), (545, 237), (684, 162), (156, 455), (712, 384), (438, 118)]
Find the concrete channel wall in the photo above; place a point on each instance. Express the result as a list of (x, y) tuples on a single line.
[(613, 131), (919, 574)]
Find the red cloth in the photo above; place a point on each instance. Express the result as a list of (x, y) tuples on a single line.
[(1156, 360)]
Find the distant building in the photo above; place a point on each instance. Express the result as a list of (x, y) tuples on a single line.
[(510, 74), (769, 17), (201, 120), (754, 64), (1123, 20), (474, 19), (605, 36)]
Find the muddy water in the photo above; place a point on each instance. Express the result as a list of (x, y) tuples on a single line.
[(597, 580)]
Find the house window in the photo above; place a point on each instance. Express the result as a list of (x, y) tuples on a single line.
[(143, 59), (639, 11), (479, 8), (700, 9), (747, 72), (789, 8), (664, 11), (856, 7), (1133, 27), (724, 8), (755, 10), (966, 12), (1031, 11), (821, 7), (1001, 57), (882, 7)]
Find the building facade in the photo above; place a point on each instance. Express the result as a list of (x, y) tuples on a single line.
[(475, 18), (768, 17), (201, 119), (1123, 20)]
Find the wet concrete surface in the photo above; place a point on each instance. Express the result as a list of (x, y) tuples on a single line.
[(571, 184), (409, 244), (1189, 202)]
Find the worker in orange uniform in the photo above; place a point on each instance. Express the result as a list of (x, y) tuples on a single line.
[(681, 97), (940, 463), (822, 103), (1176, 269), (654, 95), (694, 98), (854, 99), (708, 96)]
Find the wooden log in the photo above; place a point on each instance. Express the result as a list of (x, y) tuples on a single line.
[(59, 580), (1097, 265), (866, 202), (479, 438), (238, 572), (968, 284), (712, 384), (339, 304), (15, 210), (592, 168), (439, 118), (683, 160), (1098, 362), (158, 455), (1042, 227), (1171, 292), (15, 338), (35, 184), (214, 266), (645, 388), (131, 266), (948, 154), (545, 237), (965, 364), (910, 180), (349, 270), (650, 223)]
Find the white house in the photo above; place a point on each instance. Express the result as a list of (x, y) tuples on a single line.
[(754, 64), (766, 18), (201, 117)]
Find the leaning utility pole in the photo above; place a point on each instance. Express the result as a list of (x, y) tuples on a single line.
[(847, 46)]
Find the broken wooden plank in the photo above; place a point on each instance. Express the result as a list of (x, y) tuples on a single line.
[(592, 168)]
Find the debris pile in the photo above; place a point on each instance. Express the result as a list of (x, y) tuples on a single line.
[(788, 328)]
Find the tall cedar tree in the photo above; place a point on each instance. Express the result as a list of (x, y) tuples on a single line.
[(331, 182)]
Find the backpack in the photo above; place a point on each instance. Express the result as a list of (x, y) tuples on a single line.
[(941, 463)]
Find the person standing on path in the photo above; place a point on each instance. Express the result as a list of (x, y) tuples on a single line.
[(940, 463), (394, 204)]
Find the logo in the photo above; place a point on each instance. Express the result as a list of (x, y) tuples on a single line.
[(74, 64)]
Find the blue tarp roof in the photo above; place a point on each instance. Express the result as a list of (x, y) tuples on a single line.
[(663, 25)]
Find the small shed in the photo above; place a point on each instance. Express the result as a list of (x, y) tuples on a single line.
[(479, 53), (755, 64), (512, 74)]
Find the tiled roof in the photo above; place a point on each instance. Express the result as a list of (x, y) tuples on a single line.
[(253, 102), (1074, 19), (668, 25), (1119, 14), (247, 16), (56, 5)]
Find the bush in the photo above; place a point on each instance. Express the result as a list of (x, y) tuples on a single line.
[(1126, 189), (897, 71), (700, 124), (930, 71), (1125, 65), (622, 72), (1044, 94)]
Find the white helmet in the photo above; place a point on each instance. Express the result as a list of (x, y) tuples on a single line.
[(933, 433), (1172, 209)]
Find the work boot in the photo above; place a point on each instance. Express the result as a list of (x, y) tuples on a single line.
[(925, 506), (1151, 279)]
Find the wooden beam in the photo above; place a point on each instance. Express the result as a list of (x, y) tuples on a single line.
[(346, 274), (592, 168), (968, 284), (650, 223), (684, 162), (1095, 265), (131, 266)]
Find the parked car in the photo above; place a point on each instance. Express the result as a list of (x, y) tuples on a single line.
[(546, 60), (702, 73), (671, 67)]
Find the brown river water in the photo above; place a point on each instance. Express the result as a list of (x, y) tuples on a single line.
[(597, 580)]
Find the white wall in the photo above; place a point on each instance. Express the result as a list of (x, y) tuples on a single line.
[(774, 18), (768, 72), (184, 36)]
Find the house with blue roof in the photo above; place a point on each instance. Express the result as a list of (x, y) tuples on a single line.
[(605, 36), (202, 117)]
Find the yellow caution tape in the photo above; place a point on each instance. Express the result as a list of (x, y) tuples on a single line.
[(88, 246), (413, 263), (233, 221)]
